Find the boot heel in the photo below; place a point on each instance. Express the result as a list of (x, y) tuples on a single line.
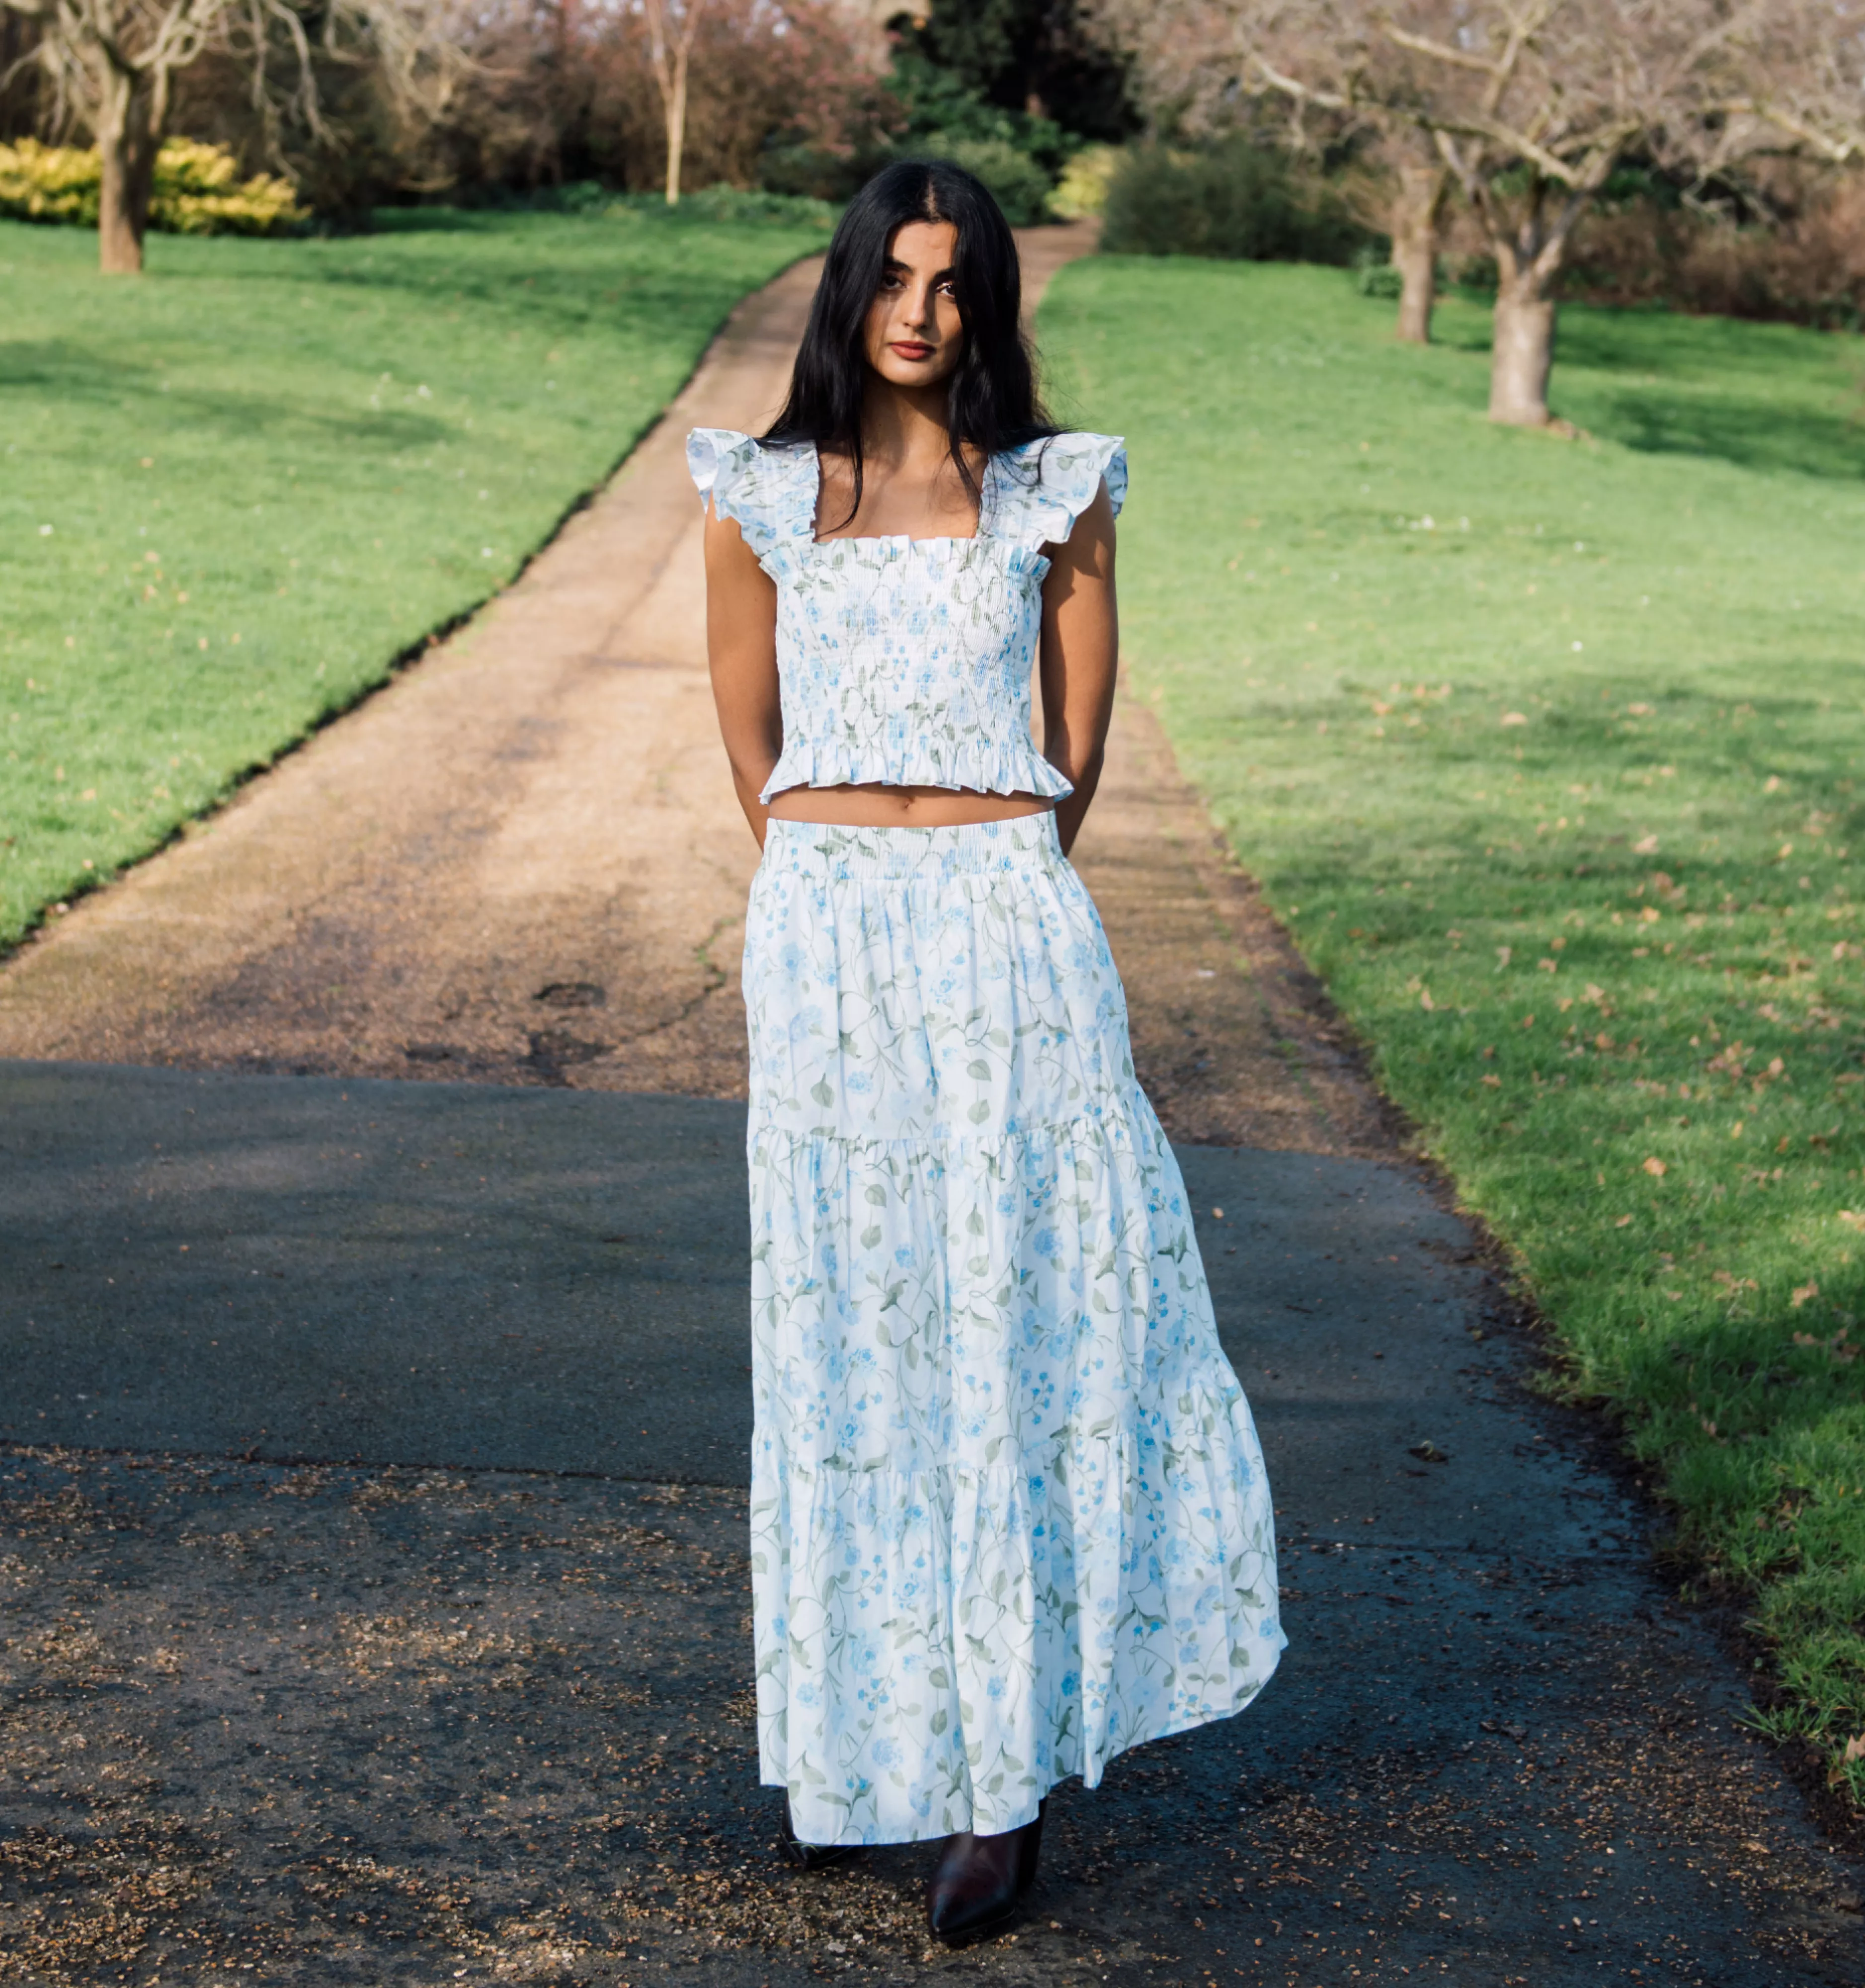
[(979, 1880)]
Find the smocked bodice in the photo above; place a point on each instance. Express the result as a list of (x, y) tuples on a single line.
[(908, 662)]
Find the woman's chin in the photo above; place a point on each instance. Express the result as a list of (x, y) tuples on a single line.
[(912, 375)]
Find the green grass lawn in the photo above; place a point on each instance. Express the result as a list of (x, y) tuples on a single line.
[(232, 491), (1548, 753)]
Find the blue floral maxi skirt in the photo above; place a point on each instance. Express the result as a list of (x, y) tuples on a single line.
[(1008, 1510)]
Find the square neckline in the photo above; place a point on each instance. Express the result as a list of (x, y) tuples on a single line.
[(985, 508)]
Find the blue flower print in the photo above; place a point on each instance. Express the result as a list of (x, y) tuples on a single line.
[(990, 1547)]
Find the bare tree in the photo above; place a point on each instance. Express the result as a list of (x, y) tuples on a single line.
[(112, 65), (672, 26), (1202, 61), (1530, 105)]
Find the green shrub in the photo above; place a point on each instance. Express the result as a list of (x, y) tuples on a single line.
[(935, 114), (941, 110), (734, 204), (197, 189), (1374, 275), (1236, 200), (1476, 272), (1019, 185)]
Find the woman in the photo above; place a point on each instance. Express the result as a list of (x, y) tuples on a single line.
[(1009, 1511)]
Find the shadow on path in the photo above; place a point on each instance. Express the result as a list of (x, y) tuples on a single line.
[(343, 1722)]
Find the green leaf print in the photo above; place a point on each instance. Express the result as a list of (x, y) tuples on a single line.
[(962, 1439)]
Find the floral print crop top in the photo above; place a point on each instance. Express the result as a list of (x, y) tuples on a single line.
[(905, 661)]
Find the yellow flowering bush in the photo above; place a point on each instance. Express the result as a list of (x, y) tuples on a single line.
[(1083, 188), (197, 190), (49, 182)]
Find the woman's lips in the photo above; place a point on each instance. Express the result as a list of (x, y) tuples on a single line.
[(908, 349)]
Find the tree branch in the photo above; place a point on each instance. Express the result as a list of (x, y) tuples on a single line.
[(1288, 85), (1422, 45), (1836, 151), (1608, 142)]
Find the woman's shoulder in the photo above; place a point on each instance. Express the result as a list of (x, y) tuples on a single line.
[(1046, 483), (768, 488), (714, 454), (1065, 443)]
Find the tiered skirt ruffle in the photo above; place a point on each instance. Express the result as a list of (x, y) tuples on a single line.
[(1009, 1514)]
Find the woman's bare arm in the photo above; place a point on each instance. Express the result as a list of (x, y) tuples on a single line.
[(1079, 657), (741, 648)]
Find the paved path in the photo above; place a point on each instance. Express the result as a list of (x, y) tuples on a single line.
[(522, 863), (371, 1452)]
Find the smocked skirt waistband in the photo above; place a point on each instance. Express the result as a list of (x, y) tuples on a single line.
[(965, 849)]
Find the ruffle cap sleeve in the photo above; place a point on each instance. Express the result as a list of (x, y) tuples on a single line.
[(716, 459), (767, 492), (1043, 487)]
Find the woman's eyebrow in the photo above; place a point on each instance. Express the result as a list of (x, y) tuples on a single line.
[(893, 266)]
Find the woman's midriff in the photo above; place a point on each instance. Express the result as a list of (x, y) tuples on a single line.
[(901, 807)]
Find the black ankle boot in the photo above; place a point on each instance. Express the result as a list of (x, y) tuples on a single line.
[(811, 1856), (980, 1879)]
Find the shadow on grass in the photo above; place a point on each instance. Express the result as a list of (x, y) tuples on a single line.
[(75, 375), (522, 285), (1758, 434), (1663, 383), (66, 370)]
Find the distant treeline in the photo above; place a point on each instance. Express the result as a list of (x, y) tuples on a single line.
[(809, 97)]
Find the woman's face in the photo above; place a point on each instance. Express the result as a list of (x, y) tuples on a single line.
[(914, 335)]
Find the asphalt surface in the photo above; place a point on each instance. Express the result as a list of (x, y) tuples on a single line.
[(447, 1274), (472, 1276), (375, 1543)]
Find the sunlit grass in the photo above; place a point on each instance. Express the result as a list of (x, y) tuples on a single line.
[(1548, 754), (231, 492)]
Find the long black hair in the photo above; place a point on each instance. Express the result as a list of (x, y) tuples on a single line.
[(991, 401)]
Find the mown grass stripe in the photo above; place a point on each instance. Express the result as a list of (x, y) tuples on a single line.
[(1548, 753), (232, 491)]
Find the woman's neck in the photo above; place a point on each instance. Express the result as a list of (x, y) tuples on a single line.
[(904, 427)]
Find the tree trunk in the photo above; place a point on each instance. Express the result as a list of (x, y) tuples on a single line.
[(676, 108), (1414, 248), (127, 140), (1521, 351)]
